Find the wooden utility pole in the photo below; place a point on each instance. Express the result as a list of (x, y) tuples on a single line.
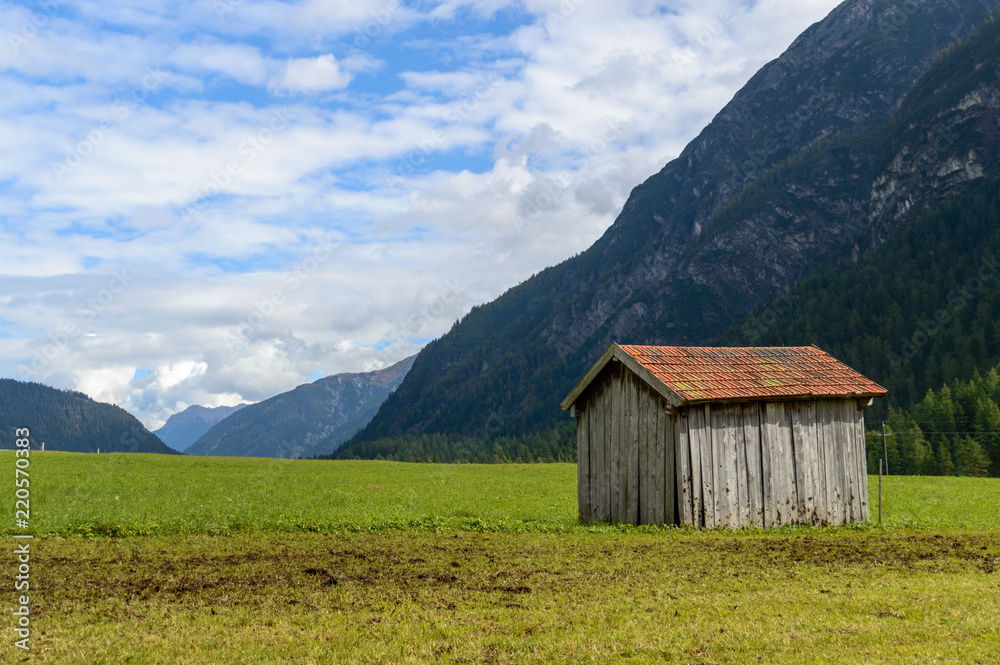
[(880, 491)]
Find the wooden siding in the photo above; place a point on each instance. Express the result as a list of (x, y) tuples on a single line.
[(731, 465)]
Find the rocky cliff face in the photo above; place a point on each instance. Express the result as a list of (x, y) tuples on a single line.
[(313, 419), (945, 137), (815, 156), (799, 132)]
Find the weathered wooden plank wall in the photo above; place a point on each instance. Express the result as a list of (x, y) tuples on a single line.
[(733, 465)]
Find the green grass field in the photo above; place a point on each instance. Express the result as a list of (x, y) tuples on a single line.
[(149, 559), (127, 495)]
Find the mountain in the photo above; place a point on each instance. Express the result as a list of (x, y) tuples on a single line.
[(921, 311), (314, 419), (71, 421), (184, 428), (815, 157)]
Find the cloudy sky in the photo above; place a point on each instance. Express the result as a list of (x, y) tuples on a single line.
[(213, 201)]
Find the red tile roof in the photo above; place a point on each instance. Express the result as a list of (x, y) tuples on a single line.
[(709, 374)]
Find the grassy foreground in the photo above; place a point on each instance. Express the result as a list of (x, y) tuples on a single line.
[(267, 561)]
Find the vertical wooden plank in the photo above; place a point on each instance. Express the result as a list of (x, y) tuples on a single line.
[(841, 495), (602, 459), (696, 425), (859, 434), (750, 423), (819, 467), (596, 443), (716, 419), (643, 450), (728, 487), (583, 416), (708, 505), (824, 433), (685, 475), (770, 464), (814, 463), (783, 464), (641, 453), (654, 472), (647, 480), (596, 448), (850, 465), (622, 452), (696, 419), (633, 449), (614, 467), (621, 447), (768, 499), (729, 509), (830, 459), (824, 504), (609, 445), (802, 444), (670, 463), (861, 460), (593, 440), (828, 423), (627, 486), (659, 424), (742, 469)]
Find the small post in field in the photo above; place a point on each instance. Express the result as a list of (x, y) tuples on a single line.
[(880, 492)]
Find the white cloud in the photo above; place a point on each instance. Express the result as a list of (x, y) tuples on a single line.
[(436, 178), (313, 75), (241, 63)]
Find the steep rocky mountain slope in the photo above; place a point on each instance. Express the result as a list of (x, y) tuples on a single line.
[(184, 428), (801, 166), (71, 421), (314, 419), (921, 310)]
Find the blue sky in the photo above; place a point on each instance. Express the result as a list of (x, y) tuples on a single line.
[(213, 202)]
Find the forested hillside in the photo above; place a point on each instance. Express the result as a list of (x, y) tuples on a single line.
[(915, 315), (557, 444), (951, 431), (71, 421)]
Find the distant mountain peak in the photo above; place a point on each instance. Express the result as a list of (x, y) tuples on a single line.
[(313, 419), (184, 428)]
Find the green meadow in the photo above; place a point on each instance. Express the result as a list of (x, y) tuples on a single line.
[(75, 494), (155, 559)]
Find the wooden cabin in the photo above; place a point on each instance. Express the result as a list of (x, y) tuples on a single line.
[(721, 437)]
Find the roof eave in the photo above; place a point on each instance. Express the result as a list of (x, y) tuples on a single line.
[(616, 352), (802, 397)]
